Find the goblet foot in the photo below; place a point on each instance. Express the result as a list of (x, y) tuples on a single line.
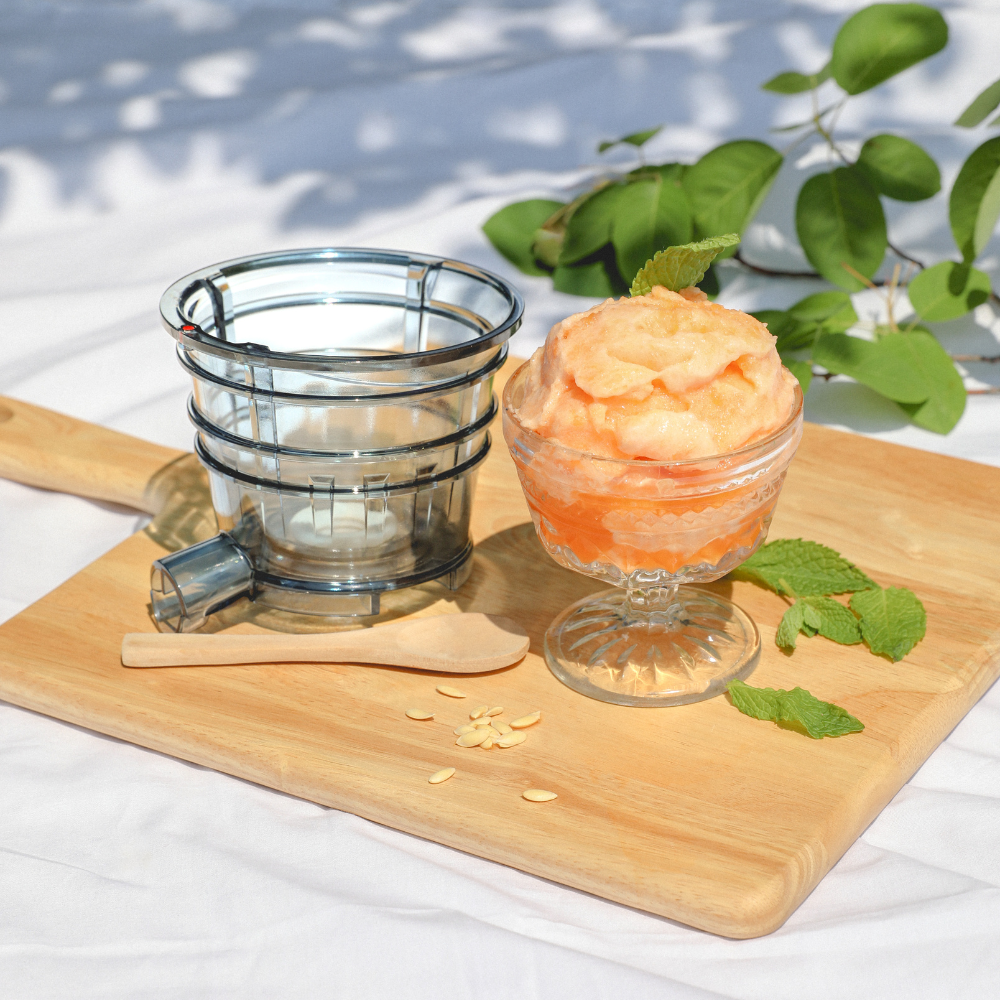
[(654, 648)]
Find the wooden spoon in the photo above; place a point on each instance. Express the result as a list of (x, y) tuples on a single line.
[(446, 644)]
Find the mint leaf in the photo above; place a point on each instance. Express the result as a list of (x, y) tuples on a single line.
[(811, 618), (822, 615), (680, 267), (892, 622), (791, 624), (802, 569), (835, 621), (797, 707)]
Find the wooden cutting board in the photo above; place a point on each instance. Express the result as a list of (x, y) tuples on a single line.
[(697, 813)]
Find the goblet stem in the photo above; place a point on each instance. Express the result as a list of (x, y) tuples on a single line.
[(651, 606)]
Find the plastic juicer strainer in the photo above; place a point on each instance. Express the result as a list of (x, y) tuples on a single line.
[(341, 404)]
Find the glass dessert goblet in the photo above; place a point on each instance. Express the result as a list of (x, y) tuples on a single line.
[(651, 529)]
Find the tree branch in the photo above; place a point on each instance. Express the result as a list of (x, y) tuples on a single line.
[(905, 256), (757, 269)]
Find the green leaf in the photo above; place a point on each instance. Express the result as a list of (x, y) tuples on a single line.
[(882, 40), (791, 624), (728, 184), (833, 311), (811, 619), (641, 138), (948, 290), (777, 321), (649, 215), (635, 139), (822, 615), (796, 707), (986, 102), (586, 279), (668, 171), (800, 568), (795, 83), (946, 403), (589, 227), (975, 200), (798, 338), (899, 168), (835, 621), (884, 365), (910, 368), (546, 247), (802, 370), (680, 267), (893, 621), (839, 220), (512, 231), (793, 333)]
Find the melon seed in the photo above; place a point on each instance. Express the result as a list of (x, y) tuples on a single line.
[(525, 721), (538, 795), (511, 739), (472, 739)]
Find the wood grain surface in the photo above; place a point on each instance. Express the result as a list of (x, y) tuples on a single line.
[(697, 813)]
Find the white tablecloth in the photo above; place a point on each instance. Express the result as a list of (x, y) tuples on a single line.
[(142, 140)]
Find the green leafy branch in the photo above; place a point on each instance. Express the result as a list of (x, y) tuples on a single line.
[(597, 243)]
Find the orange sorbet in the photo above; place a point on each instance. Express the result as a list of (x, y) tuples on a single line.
[(666, 376), (656, 384)]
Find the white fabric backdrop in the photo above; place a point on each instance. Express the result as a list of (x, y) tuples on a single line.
[(141, 140)]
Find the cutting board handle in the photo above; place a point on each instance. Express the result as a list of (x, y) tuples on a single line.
[(42, 448)]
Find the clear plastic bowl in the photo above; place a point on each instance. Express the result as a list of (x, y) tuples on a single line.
[(341, 400)]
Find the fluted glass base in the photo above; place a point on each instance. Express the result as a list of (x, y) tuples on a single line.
[(652, 648)]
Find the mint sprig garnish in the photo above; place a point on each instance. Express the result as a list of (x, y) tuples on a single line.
[(682, 266), (891, 621), (796, 708)]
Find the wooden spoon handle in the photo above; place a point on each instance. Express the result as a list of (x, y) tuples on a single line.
[(42, 448), (167, 649)]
